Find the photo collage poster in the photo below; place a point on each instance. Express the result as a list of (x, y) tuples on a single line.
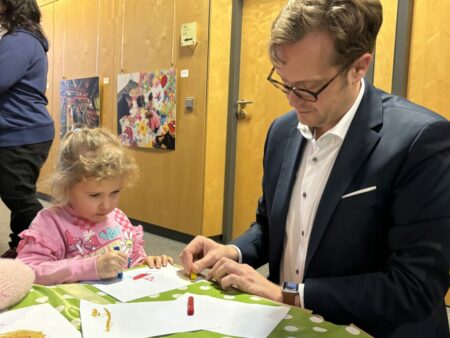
[(80, 104), (146, 109)]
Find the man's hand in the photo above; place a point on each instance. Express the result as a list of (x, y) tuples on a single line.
[(203, 252), (111, 263), (230, 274)]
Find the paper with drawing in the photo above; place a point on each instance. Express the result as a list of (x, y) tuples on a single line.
[(146, 319), (36, 321), (138, 283)]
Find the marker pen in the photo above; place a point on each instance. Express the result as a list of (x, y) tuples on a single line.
[(120, 274)]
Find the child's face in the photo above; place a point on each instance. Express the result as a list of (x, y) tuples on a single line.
[(93, 200)]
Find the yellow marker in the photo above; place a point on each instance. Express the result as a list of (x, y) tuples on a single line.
[(193, 276)]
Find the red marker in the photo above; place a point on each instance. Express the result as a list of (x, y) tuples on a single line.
[(190, 306)]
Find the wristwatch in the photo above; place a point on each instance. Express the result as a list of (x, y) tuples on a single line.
[(289, 291)]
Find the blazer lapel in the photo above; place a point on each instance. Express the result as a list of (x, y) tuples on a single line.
[(358, 143), (281, 200)]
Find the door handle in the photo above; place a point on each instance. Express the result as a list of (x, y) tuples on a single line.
[(241, 114)]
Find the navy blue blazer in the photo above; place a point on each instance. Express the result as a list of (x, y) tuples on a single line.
[(379, 259)]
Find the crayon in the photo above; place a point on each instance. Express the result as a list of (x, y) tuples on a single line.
[(190, 306)]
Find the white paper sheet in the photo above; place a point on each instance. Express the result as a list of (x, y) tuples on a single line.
[(159, 318), (41, 318), (138, 283), (145, 319), (239, 319)]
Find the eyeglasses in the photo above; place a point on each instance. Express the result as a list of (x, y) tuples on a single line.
[(304, 94)]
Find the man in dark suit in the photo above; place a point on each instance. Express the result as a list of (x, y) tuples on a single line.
[(355, 212)]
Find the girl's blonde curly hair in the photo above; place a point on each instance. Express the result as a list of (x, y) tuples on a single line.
[(90, 153)]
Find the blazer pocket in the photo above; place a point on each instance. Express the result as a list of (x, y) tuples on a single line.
[(359, 192)]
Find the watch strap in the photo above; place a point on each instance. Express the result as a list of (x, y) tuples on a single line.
[(289, 298)]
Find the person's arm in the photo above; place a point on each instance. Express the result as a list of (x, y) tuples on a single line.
[(415, 277), (15, 55), (43, 248), (252, 248), (253, 243), (50, 270), (231, 274)]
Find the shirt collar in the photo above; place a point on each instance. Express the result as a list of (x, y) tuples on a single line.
[(341, 128)]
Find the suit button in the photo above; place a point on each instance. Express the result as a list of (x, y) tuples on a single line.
[(304, 195)]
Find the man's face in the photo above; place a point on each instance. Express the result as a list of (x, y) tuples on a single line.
[(308, 65), (94, 200)]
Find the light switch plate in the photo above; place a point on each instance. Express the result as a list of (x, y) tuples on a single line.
[(189, 103)]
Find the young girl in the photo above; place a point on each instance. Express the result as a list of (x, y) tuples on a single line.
[(84, 236)]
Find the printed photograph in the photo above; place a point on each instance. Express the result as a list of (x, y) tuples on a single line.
[(80, 104), (146, 109)]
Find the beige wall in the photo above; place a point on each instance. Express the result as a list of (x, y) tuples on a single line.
[(429, 69), (428, 81), (182, 190), (105, 37), (384, 54)]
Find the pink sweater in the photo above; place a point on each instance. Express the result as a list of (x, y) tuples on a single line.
[(63, 248)]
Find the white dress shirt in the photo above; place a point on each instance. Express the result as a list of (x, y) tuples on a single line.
[(315, 167)]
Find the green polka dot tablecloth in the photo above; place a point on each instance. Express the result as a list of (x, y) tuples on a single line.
[(297, 323)]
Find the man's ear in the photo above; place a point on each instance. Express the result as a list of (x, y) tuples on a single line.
[(361, 66)]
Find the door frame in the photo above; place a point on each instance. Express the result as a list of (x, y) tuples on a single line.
[(231, 138)]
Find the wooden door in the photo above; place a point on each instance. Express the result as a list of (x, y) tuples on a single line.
[(268, 103)]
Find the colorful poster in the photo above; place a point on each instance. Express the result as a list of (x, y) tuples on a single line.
[(80, 104), (146, 109)]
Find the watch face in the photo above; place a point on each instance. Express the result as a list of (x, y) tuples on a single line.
[(290, 287)]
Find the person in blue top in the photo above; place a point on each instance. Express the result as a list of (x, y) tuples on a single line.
[(26, 127)]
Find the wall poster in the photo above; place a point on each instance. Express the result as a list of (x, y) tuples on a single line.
[(146, 109), (80, 104)]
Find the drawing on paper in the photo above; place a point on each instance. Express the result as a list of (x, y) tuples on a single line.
[(22, 334), (96, 313)]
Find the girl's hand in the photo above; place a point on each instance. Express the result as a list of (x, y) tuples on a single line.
[(157, 261), (111, 263)]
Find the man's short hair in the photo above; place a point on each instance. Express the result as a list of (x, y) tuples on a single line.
[(352, 24)]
